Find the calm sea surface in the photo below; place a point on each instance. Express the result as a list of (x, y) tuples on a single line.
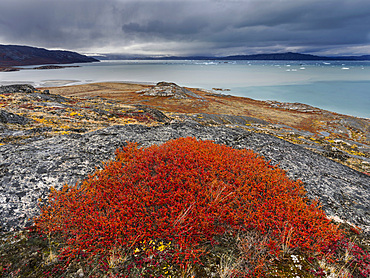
[(342, 86)]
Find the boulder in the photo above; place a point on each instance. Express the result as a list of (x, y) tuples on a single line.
[(165, 89)]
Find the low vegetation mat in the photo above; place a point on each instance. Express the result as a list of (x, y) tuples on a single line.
[(192, 208)]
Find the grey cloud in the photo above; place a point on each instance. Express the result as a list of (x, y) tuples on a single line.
[(216, 26), (61, 24), (161, 28)]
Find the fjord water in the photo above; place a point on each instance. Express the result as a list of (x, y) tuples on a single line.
[(338, 86)]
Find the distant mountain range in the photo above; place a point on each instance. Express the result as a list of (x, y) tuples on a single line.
[(17, 55), (288, 56), (295, 56)]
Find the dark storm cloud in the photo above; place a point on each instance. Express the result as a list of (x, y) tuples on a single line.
[(52, 23), (163, 29), (188, 26)]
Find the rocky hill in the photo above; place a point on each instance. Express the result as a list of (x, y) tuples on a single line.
[(16, 55), (48, 140), (290, 56)]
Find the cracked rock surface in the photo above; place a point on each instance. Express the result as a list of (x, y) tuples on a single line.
[(27, 171)]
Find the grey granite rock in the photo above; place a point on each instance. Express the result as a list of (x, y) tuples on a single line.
[(11, 118), (48, 97), (18, 88), (355, 124), (28, 171)]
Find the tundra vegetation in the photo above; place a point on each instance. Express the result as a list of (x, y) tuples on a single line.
[(187, 208)]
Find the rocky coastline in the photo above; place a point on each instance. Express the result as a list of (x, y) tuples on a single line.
[(48, 140), (10, 69)]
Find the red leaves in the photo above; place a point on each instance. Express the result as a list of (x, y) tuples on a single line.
[(185, 192)]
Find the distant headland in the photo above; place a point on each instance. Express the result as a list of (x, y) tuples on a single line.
[(18, 55), (287, 56)]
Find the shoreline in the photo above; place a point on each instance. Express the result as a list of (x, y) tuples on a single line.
[(65, 82), (216, 91), (45, 84), (318, 85), (43, 67)]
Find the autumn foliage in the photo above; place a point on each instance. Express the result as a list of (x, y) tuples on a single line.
[(184, 193)]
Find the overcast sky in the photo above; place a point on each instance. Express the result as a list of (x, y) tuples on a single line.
[(189, 27)]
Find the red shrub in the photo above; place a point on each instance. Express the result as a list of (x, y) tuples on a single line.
[(185, 192)]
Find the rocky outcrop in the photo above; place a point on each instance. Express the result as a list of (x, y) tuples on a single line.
[(165, 89), (28, 171), (8, 69), (18, 88), (54, 67)]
